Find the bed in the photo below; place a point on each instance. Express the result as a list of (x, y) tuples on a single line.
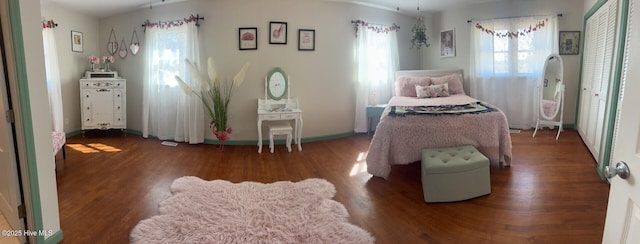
[(410, 124)]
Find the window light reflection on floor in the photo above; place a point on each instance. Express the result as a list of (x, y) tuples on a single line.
[(104, 147), (360, 165), (93, 148)]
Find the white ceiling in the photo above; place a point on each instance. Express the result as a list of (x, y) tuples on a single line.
[(105, 8)]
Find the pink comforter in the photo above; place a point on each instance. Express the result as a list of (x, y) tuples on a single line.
[(400, 140)]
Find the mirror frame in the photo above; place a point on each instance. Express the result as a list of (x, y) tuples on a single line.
[(558, 83), (270, 77), (123, 52)]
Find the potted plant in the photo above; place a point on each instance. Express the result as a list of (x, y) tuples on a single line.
[(215, 96)]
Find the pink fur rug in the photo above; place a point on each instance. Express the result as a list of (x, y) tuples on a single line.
[(219, 211)]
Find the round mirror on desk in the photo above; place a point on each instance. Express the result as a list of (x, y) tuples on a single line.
[(276, 84), (551, 95)]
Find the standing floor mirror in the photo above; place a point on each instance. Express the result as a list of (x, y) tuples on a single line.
[(551, 95)]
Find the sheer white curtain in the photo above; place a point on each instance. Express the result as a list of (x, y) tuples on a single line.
[(505, 71), (53, 78), (377, 61), (168, 113)]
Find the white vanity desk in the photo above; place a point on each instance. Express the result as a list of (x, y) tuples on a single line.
[(284, 109)]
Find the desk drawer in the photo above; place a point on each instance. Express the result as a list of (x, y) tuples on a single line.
[(271, 116), (289, 116)]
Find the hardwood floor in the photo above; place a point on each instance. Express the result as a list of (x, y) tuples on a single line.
[(4, 226), (550, 194)]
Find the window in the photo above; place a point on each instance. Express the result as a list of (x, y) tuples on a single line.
[(513, 55), (168, 113), (167, 59), (53, 78), (507, 61), (377, 60)]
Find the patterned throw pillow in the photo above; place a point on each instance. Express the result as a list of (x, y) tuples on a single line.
[(432, 91)]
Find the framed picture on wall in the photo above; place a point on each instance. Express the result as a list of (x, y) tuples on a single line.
[(447, 43), (569, 43), (306, 40), (248, 38), (77, 42), (277, 32)]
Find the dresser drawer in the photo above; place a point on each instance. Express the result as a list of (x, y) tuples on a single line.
[(271, 116), (289, 116)]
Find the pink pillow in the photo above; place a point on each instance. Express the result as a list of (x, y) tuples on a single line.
[(406, 85), (454, 81), (432, 91)]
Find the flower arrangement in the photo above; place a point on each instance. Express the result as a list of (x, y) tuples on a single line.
[(93, 59), (108, 59), (215, 95)]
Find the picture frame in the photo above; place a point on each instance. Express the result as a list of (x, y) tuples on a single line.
[(77, 42), (248, 38), (447, 43), (278, 33), (306, 40), (569, 43)]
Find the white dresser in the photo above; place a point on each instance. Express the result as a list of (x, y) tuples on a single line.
[(103, 101)]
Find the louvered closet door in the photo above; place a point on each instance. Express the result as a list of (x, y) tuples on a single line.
[(589, 58), (597, 75)]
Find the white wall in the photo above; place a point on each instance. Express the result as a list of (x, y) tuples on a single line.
[(588, 4), (72, 64), (323, 80), (456, 18), (41, 120)]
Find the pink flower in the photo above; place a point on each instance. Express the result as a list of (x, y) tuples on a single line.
[(93, 59), (108, 59)]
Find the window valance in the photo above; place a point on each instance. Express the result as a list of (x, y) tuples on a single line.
[(374, 27), (172, 23), (49, 24)]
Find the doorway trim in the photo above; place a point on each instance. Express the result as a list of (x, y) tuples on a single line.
[(17, 73), (611, 109)]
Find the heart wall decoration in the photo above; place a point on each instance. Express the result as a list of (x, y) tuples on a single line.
[(134, 45), (112, 44), (123, 50)]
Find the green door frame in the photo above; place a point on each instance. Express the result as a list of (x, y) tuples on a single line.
[(25, 113), (615, 84)]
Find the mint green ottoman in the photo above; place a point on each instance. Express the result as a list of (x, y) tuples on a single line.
[(454, 174)]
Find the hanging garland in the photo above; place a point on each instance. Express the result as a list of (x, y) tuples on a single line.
[(49, 24), (377, 28), (512, 34), (172, 23)]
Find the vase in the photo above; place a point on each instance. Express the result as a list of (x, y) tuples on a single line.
[(107, 68), (93, 67)]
